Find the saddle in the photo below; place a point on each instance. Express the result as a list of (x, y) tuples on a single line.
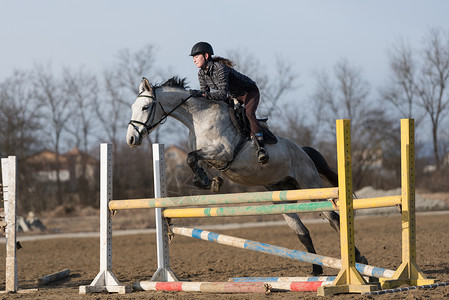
[(241, 122)]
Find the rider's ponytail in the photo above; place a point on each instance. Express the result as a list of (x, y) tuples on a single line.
[(223, 60)]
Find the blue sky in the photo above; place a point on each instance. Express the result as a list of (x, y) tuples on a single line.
[(309, 34)]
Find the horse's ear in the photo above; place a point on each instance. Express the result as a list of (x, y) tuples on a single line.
[(144, 86)]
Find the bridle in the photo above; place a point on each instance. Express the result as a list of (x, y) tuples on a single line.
[(149, 124)]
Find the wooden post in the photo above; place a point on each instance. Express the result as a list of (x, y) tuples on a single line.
[(408, 272), (349, 279)]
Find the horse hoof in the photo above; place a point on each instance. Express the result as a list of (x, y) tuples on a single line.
[(216, 184), (317, 270), (362, 260), (197, 182)]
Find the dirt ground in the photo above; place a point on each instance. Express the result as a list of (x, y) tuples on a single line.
[(134, 259)]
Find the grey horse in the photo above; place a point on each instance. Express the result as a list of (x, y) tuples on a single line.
[(214, 139)]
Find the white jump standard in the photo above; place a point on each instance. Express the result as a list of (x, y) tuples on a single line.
[(105, 280), (9, 177)]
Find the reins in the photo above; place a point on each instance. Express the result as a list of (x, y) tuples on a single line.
[(148, 125)]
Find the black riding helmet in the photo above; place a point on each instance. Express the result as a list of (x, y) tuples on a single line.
[(201, 48)]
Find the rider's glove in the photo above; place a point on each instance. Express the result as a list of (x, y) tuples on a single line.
[(196, 93)]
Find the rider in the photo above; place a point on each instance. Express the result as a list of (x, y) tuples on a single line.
[(217, 73)]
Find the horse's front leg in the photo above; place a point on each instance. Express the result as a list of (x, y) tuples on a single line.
[(200, 179)]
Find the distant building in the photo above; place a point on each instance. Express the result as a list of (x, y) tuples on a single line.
[(73, 165), (45, 166), (176, 165), (175, 157), (429, 168), (370, 158), (433, 168)]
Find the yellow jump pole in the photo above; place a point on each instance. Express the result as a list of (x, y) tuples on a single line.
[(408, 272), (349, 279)]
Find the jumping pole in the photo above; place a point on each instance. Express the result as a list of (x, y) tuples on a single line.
[(277, 251), (234, 198), (230, 287)]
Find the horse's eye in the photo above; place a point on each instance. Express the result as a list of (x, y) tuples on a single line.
[(145, 108)]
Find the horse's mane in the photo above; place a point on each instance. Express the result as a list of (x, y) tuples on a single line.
[(175, 82)]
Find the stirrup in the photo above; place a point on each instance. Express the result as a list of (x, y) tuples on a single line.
[(262, 156)]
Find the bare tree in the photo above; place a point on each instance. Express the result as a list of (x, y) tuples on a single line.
[(110, 109), (82, 88), (344, 94), (401, 90), (121, 86), (432, 83), (56, 105), (133, 65), (21, 135), (20, 117), (296, 129), (274, 88)]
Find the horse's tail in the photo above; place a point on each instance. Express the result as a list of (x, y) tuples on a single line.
[(321, 165)]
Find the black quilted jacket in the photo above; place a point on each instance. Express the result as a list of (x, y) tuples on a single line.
[(224, 80)]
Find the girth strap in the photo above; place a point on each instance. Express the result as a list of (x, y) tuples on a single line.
[(237, 149)]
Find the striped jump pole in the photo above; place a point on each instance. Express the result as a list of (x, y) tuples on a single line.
[(283, 279), (235, 198), (297, 286), (230, 287), (278, 251), (255, 210), (205, 287), (275, 209), (259, 197), (286, 279)]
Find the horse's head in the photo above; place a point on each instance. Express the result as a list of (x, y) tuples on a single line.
[(147, 113)]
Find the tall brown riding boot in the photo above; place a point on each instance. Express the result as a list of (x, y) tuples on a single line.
[(262, 153)]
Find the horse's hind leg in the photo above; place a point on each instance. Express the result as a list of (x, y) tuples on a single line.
[(295, 223), (324, 170), (334, 221)]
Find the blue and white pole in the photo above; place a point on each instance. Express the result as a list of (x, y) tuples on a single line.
[(278, 251)]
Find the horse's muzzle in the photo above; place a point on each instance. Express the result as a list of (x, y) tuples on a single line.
[(134, 142)]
